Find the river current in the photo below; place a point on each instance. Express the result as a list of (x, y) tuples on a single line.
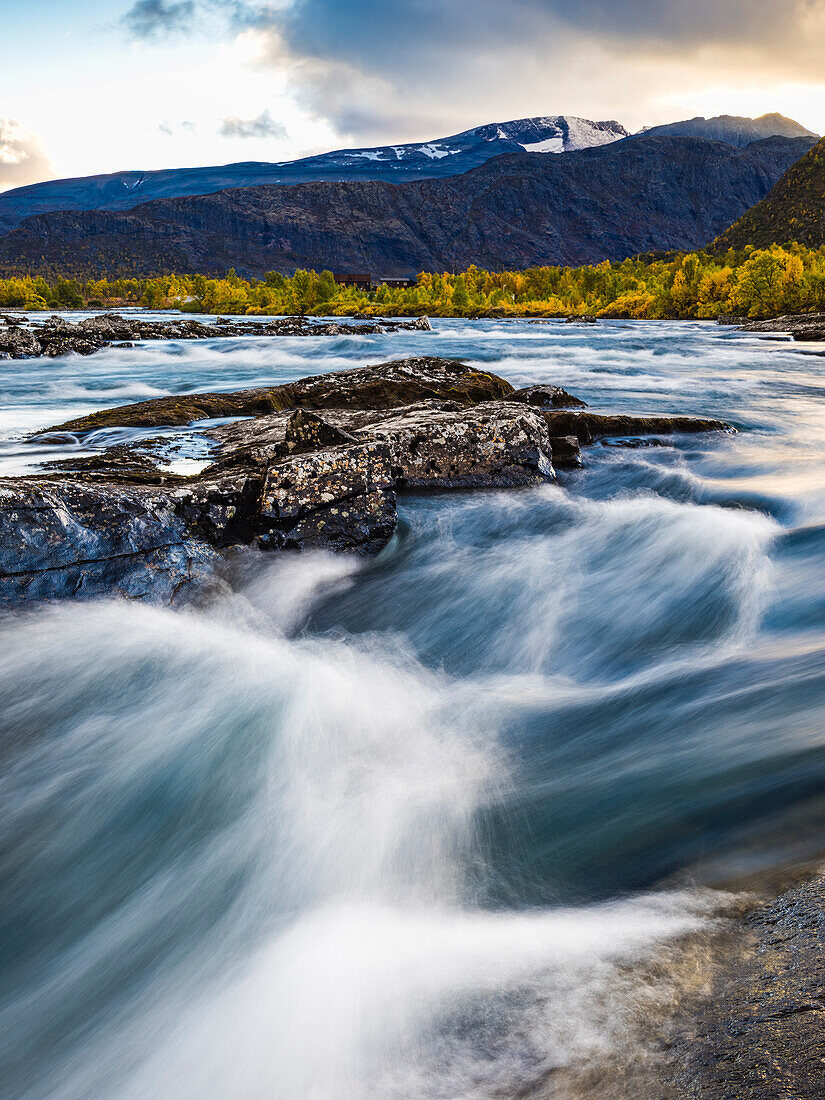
[(406, 828)]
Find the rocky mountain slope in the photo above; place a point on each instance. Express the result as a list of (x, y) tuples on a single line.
[(514, 211), (794, 209), (438, 158), (733, 129), (434, 159)]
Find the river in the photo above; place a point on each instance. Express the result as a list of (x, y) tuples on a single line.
[(406, 828)]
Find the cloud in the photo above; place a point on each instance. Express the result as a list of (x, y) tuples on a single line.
[(169, 128), (22, 156), (261, 127), (154, 20), (404, 67)]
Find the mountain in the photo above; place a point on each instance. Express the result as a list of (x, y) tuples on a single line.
[(733, 129), (793, 210), (514, 211), (441, 157)]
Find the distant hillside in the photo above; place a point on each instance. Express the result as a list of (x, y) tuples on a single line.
[(733, 129), (438, 158), (434, 159), (513, 212), (794, 209)]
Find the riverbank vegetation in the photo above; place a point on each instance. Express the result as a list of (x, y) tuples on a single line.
[(704, 285)]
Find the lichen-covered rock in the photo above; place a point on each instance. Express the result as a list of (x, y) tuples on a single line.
[(495, 444), (340, 499), (18, 343), (286, 478), (306, 431), (804, 326)]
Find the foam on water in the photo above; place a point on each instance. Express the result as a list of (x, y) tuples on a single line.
[(399, 828), (245, 874)]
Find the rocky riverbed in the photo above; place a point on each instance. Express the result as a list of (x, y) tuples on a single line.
[(20, 339), (314, 464)]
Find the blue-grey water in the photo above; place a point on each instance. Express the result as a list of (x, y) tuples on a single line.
[(406, 828)]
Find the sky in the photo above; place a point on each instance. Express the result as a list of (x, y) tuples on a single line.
[(88, 86)]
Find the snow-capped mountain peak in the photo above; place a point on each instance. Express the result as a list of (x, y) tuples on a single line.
[(547, 134)]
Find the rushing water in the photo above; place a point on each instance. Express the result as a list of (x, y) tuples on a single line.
[(396, 829)]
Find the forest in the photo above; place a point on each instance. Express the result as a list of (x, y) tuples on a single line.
[(754, 283)]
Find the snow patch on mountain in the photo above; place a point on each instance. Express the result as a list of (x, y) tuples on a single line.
[(549, 145)]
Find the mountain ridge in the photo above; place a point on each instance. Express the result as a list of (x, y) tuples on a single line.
[(734, 129), (399, 163), (432, 159), (793, 210), (514, 211)]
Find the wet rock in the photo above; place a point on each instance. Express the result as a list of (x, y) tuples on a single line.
[(384, 386), (589, 426), (286, 477), (759, 1035), (581, 319), (547, 397), (565, 451), (65, 539), (804, 327), (339, 499), (56, 336)]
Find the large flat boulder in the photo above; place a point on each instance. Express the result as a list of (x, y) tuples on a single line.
[(384, 386)]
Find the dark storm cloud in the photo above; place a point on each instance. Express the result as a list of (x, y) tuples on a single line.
[(380, 35), (362, 65), (152, 20)]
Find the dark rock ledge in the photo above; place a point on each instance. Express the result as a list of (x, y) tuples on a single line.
[(318, 464), (57, 336), (758, 1033), (802, 326), (734, 1011)]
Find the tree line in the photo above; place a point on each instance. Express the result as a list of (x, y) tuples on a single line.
[(751, 282)]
